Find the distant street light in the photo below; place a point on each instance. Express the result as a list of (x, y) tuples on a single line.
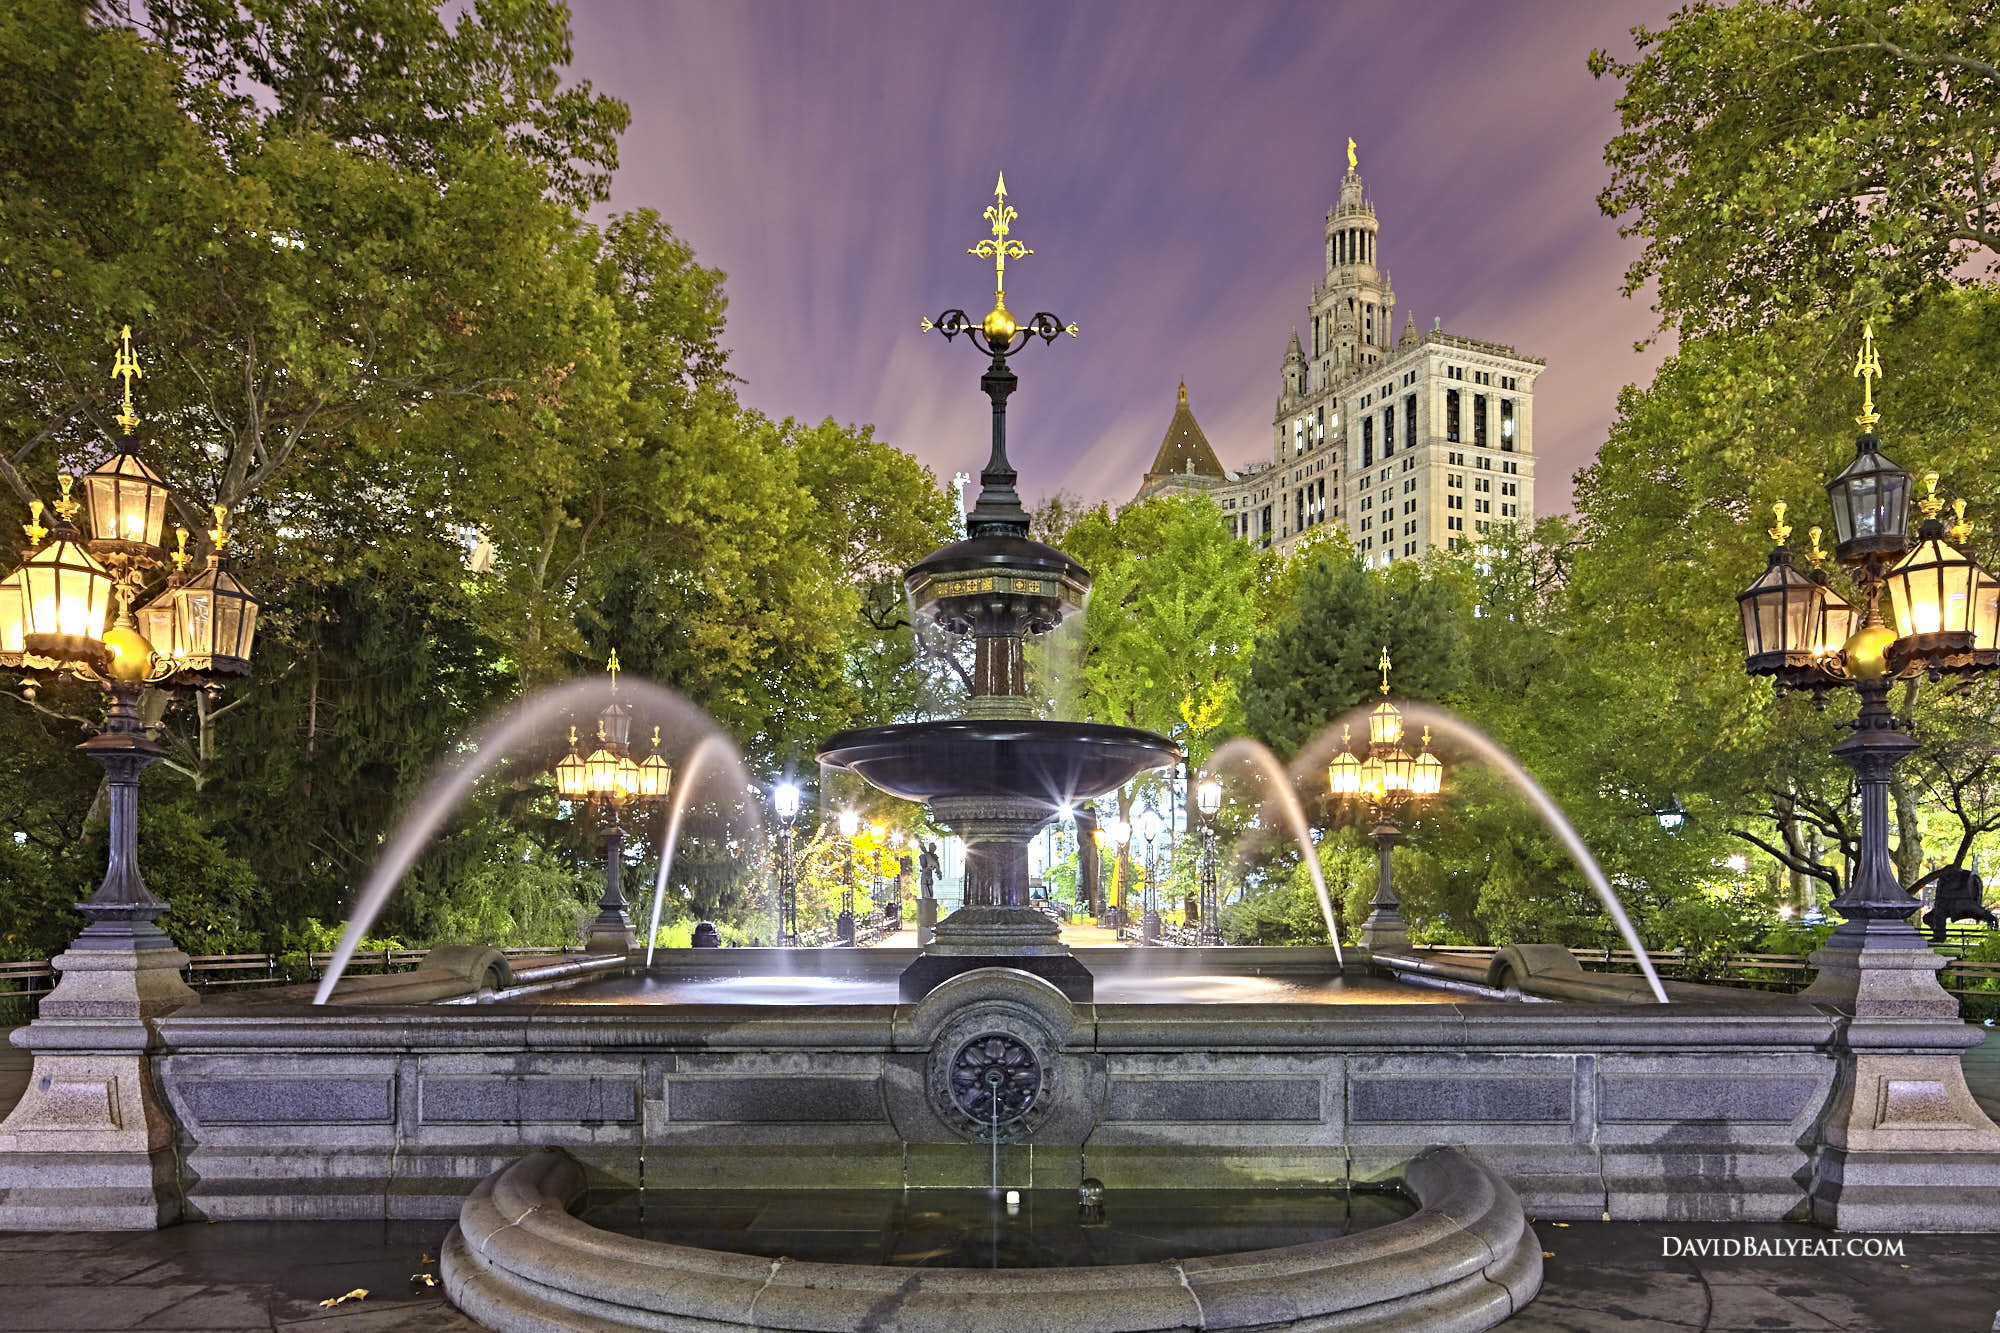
[(785, 803), (1208, 799)]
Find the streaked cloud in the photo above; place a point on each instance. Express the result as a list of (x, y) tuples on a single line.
[(1172, 162)]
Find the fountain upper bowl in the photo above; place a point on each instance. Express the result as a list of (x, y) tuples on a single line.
[(1054, 763)]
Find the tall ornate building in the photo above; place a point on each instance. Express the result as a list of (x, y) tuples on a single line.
[(1408, 442)]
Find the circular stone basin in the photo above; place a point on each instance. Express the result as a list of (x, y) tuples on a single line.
[(962, 1228), (1046, 762), (519, 1260)]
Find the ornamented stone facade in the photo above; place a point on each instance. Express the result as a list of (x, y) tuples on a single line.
[(1412, 442)]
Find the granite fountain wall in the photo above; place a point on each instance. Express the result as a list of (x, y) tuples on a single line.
[(1704, 1111)]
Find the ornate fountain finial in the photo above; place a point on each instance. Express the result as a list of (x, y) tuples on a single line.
[(1960, 529), (219, 535), (66, 505), (126, 367), (1780, 529), (999, 322), (1930, 505), (1868, 367), (1384, 665), (33, 527), (1352, 165)]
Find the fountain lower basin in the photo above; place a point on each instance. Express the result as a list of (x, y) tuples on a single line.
[(521, 1260)]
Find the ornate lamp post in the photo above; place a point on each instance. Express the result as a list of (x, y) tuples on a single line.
[(53, 619), (843, 928), (1150, 825), (785, 802), (609, 779), (1208, 799), (68, 609), (1875, 966), (1805, 635), (1390, 780)]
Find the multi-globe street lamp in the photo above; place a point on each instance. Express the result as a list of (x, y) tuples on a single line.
[(843, 928), (1208, 920), (785, 803), (196, 633), (609, 779), (1800, 631), (1391, 780), (1149, 826), (1119, 834)]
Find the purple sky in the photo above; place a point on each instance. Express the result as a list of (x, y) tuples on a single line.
[(1172, 163)]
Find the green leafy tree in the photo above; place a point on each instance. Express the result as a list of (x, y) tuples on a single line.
[(1786, 158)]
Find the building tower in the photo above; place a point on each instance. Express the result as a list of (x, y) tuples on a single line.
[(1353, 308)]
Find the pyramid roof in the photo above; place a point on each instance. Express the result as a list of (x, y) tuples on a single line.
[(1185, 450)]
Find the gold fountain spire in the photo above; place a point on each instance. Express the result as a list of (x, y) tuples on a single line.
[(126, 367), (1868, 368), (999, 322)]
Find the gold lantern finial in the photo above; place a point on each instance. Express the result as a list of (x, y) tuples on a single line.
[(999, 323), (218, 535), (1960, 529), (33, 527), (656, 739), (180, 556), (572, 737), (67, 505), (612, 667), (126, 367), (1384, 667), (1930, 504), (1815, 556), (1868, 368), (1779, 529)]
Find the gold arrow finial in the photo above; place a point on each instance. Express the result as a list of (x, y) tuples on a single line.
[(1779, 529), (1868, 368), (999, 323), (1384, 665), (126, 367), (612, 667)]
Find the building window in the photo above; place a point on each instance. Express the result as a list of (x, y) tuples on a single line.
[(1367, 441), (1410, 419), (1507, 424), (1509, 465), (1455, 458), (1455, 524), (1451, 415), (1388, 431), (1409, 506), (1454, 502), (1479, 419)]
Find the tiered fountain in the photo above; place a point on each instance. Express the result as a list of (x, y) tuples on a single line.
[(999, 774)]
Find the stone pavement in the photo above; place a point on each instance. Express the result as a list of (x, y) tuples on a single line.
[(1600, 1277)]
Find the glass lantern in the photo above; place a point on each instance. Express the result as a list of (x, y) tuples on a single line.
[(1385, 724), (127, 502), (1783, 613), (215, 621), (572, 779), (1374, 780), (656, 777), (1871, 505), (1208, 796), (67, 593), (13, 613), (1985, 614), (1398, 770), (614, 725), (627, 785), (600, 773), (1427, 771), (1931, 589), (785, 800), (1150, 824)]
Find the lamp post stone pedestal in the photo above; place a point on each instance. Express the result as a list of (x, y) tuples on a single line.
[(1385, 931), (611, 930), (90, 1146)]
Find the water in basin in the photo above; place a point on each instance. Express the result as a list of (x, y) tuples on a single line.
[(972, 1229), (1112, 988)]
